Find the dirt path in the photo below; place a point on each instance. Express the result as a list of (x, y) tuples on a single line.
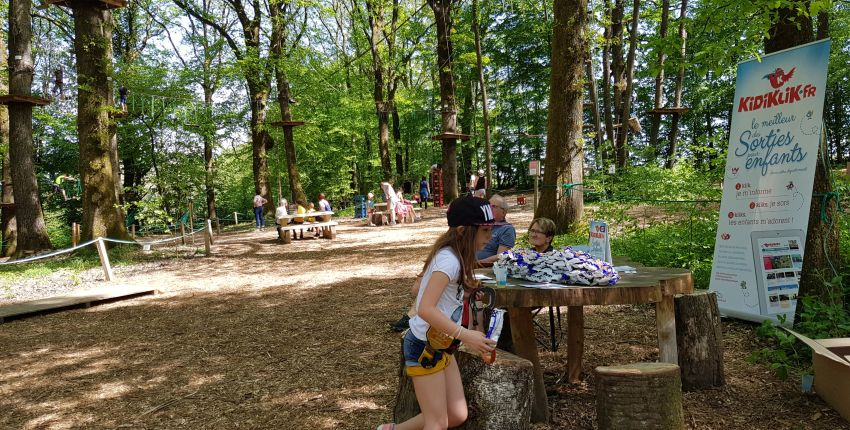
[(261, 335)]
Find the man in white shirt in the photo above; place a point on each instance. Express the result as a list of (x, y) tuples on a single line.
[(391, 198)]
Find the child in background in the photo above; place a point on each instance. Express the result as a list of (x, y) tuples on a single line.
[(435, 330), (311, 208), (370, 208), (300, 210)]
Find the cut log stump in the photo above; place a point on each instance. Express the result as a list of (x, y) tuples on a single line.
[(639, 396), (700, 341), (498, 395)]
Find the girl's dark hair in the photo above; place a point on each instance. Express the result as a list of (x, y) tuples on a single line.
[(462, 242)]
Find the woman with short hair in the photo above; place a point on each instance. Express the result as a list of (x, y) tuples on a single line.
[(541, 233)]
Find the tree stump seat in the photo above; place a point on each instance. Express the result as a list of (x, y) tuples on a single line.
[(498, 395), (639, 396), (700, 340)]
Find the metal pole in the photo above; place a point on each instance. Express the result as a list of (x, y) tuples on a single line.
[(104, 260), (536, 187)]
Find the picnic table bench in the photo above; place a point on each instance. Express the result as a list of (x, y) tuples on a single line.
[(381, 209), (285, 228)]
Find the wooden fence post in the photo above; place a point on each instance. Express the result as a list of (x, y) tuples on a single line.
[(191, 216), (75, 234), (208, 227), (133, 230), (104, 260), (182, 233), (235, 218), (207, 240), (217, 226)]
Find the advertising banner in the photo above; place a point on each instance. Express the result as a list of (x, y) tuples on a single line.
[(767, 189), (600, 243)]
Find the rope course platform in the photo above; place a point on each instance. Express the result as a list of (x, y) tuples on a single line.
[(102, 4), (79, 299), (5, 205), (669, 110), (15, 98), (286, 123), (456, 136), (118, 115)]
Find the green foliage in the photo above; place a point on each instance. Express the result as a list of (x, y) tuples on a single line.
[(651, 183), (819, 319)]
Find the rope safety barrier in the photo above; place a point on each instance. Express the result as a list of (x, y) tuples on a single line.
[(144, 245)]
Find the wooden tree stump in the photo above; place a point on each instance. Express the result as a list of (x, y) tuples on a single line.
[(639, 396), (499, 395), (700, 341)]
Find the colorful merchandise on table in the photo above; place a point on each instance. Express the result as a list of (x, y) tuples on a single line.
[(566, 266)]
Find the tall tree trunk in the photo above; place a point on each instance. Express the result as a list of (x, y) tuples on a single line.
[(261, 141), (375, 14), (278, 40), (209, 144), (32, 232), (393, 80), (822, 237), (93, 45), (594, 115), (680, 78), (606, 79), (564, 156), (618, 68), (659, 77), (8, 228), (257, 72), (448, 104), (485, 110), (625, 113), (8, 225), (289, 140), (467, 149), (400, 156)]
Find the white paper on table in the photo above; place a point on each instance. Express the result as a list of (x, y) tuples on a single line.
[(481, 277)]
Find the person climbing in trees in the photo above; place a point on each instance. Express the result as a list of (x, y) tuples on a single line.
[(122, 97), (58, 83), (59, 188)]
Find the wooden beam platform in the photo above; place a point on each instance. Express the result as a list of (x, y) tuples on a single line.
[(77, 299), (102, 4), (532, 136), (14, 98), (456, 136), (669, 110), (117, 114), (7, 205), (287, 123)]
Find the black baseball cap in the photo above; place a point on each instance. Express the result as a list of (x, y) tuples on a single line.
[(470, 210)]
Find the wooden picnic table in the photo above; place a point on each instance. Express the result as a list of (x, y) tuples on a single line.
[(314, 214), (649, 285), (286, 229)]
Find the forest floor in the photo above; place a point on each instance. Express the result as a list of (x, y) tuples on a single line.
[(263, 335)]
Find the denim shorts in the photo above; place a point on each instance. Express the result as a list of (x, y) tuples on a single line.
[(413, 350)]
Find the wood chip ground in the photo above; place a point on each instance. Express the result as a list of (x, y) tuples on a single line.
[(267, 336)]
